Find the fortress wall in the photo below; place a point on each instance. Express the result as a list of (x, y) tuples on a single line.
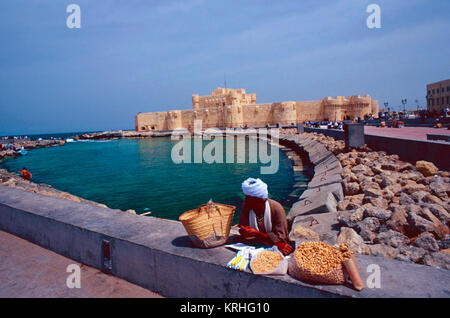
[(257, 115), (233, 115), (233, 108), (188, 119), (214, 118), (174, 120), (284, 113), (309, 111), (151, 121)]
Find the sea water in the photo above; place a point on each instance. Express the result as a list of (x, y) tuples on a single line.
[(139, 174)]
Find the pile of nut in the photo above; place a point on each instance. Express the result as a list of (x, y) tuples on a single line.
[(320, 258), (266, 261)]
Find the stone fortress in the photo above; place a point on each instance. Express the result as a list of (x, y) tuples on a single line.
[(233, 108)]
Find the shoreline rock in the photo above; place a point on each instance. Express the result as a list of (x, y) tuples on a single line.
[(392, 208), (28, 145), (12, 180)]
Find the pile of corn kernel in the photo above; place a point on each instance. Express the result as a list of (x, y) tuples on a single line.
[(266, 261), (320, 258)]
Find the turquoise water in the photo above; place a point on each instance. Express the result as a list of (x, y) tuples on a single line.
[(139, 174)]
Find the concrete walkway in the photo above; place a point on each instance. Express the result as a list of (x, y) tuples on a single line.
[(28, 270), (405, 132)]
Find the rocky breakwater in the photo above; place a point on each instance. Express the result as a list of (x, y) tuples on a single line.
[(122, 134), (388, 207), (314, 215), (12, 180), (28, 145)]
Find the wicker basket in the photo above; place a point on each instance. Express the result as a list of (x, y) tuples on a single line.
[(209, 225)]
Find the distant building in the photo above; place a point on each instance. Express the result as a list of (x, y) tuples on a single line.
[(233, 108), (438, 96)]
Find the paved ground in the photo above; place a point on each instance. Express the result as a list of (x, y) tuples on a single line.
[(405, 132), (28, 270)]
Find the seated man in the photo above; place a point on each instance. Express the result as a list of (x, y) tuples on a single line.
[(263, 220), (25, 174)]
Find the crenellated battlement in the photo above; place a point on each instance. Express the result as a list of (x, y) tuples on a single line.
[(227, 107)]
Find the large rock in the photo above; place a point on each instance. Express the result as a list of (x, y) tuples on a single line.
[(374, 193), (440, 188), (405, 199), (441, 260), (351, 188), (419, 196), (367, 184), (412, 187), (299, 234), (418, 224), (369, 224), (382, 250), (319, 223), (390, 166), (330, 164), (444, 244), (376, 202), (350, 218), (426, 168), (387, 180), (368, 228), (360, 169), (351, 239), (379, 213), (368, 236), (392, 238), (399, 219), (320, 203), (427, 242), (323, 180), (410, 254), (335, 189), (439, 211)]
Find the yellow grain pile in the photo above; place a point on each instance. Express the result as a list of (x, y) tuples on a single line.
[(320, 258), (266, 261)]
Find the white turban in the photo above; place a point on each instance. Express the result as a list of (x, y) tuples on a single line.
[(255, 188)]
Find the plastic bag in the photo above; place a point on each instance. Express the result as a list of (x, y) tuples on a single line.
[(281, 269)]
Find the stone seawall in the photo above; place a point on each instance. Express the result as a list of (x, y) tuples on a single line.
[(157, 254), (314, 215)]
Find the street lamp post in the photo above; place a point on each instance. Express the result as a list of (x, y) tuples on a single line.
[(404, 101)]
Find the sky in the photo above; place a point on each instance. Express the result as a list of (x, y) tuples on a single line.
[(133, 56)]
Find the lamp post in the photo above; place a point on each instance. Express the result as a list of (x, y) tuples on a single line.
[(417, 103), (404, 101)]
